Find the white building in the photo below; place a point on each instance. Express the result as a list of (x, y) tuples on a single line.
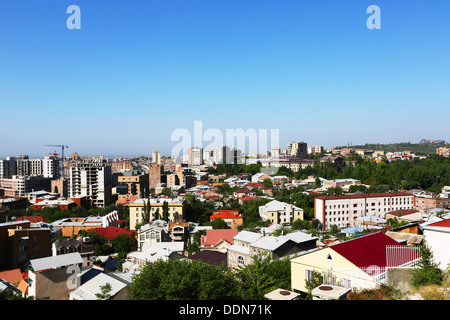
[(195, 156), (93, 179), (280, 212), (343, 210)]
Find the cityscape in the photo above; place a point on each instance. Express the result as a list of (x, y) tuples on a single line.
[(231, 158)]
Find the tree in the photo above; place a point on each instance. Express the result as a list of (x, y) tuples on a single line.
[(165, 211), (105, 290), (315, 281), (123, 244), (146, 214), (428, 271), (177, 279)]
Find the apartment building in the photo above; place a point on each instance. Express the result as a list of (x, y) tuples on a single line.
[(195, 156), (278, 212), (137, 184), (315, 149), (298, 149), (48, 167), (156, 157), (92, 179), (154, 175), (342, 210), (19, 186), (175, 210)]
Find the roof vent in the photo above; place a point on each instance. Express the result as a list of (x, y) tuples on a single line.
[(326, 288)]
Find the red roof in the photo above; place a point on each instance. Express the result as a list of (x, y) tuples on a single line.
[(12, 276), (443, 223), (249, 198), (253, 184), (226, 214), (112, 232), (243, 191), (403, 212), (369, 250), (33, 219), (215, 236)]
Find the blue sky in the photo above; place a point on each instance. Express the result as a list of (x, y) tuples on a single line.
[(140, 69)]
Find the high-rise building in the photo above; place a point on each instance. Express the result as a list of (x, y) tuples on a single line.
[(195, 156), (91, 178), (156, 158), (299, 149)]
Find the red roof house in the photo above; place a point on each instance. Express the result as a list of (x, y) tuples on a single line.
[(218, 239)]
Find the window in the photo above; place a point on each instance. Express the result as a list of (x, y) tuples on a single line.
[(240, 260)]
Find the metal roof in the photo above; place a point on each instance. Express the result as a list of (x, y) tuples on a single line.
[(54, 262)]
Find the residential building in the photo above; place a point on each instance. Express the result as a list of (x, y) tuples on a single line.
[(70, 227), (156, 157), (437, 237), (278, 212), (53, 277), (154, 232), (298, 149), (342, 210), (244, 193), (314, 149), (231, 217), (154, 175), (175, 210), (83, 245), (91, 178), (137, 184), (218, 239), (248, 244), (19, 186), (93, 287), (443, 151), (195, 156), (20, 242), (426, 201), (359, 263), (408, 215)]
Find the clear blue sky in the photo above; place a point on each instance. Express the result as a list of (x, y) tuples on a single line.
[(139, 69)]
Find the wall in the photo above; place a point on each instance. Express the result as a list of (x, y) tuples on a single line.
[(399, 278)]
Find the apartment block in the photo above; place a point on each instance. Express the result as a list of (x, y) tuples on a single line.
[(278, 212), (343, 210), (137, 184), (175, 210), (154, 175), (92, 179)]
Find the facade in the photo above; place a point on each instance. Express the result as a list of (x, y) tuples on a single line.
[(137, 184), (156, 157), (91, 179), (278, 212), (52, 278), (437, 236), (426, 202), (82, 245), (19, 186), (342, 210), (19, 243), (298, 149), (175, 210), (154, 175), (195, 156)]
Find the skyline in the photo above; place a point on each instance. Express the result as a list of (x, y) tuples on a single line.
[(137, 71)]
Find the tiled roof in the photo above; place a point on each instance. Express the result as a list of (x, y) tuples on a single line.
[(33, 219), (112, 232), (226, 214), (12, 276), (215, 236), (402, 212)]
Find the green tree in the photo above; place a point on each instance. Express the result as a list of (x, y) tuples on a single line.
[(165, 211), (177, 279), (105, 292), (123, 244), (428, 271)]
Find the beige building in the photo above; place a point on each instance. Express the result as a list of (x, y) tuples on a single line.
[(175, 206), (138, 184)]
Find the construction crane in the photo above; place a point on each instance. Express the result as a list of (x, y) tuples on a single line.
[(54, 153), (62, 155)]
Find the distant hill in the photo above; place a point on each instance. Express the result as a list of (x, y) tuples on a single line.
[(417, 148)]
